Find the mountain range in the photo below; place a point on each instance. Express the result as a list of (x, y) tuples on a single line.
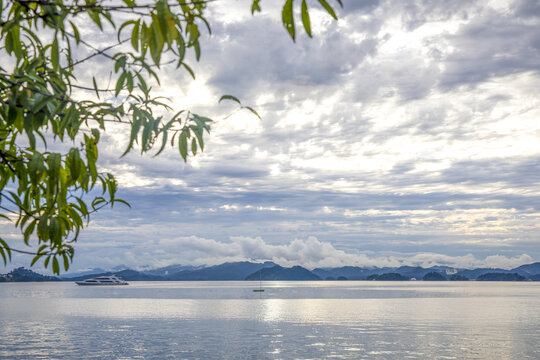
[(270, 271)]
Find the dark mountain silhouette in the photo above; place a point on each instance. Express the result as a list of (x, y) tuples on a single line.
[(271, 271), (388, 277), (474, 273), (434, 276), (501, 277), (84, 273), (128, 275), (24, 275), (349, 272), (529, 269), (280, 273), (171, 269), (226, 271)]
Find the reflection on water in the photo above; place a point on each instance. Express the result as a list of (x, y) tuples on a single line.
[(215, 320)]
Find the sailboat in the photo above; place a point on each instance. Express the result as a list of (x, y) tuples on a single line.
[(260, 289)]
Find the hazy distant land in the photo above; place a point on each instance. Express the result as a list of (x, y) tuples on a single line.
[(271, 271)]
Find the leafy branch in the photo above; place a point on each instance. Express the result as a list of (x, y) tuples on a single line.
[(50, 196)]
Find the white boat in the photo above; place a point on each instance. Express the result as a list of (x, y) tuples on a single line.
[(103, 280)]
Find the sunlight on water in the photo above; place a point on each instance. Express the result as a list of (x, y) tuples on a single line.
[(354, 320)]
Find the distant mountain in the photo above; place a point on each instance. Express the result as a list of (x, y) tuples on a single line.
[(83, 273), (358, 273), (128, 275), (171, 269), (226, 271), (280, 273), (94, 272), (272, 271), (474, 273), (24, 275), (529, 269), (349, 272), (501, 277)]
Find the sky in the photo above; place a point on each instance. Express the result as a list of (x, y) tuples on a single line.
[(405, 133)]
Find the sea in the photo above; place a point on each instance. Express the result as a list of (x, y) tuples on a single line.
[(288, 320)]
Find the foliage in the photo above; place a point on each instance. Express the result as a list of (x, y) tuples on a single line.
[(46, 97)]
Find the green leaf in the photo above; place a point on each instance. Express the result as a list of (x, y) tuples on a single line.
[(5, 250), (120, 63), (127, 23), (189, 70), (55, 266), (38, 256), (96, 134), (182, 145), (129, 79), (74, 163), (199, 136), (122, 202), (29, 231), (253, 111), (43, 228), (54, 163), (194, 146), (55, 231), (35, 259), (55, 55), (288, 19), (328, 8), (156, 45), (75, 32), (162, 10), (66, 261), (3, 255), (229, 97), (181, 48), (95, 86), (95, 18), (305, 18), (17, 46), (36, 169), (120, 83), (9, 44), (40, 103), (135, 35), (197, 49), (255, 6)]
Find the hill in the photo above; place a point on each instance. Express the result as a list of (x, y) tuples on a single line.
[(529, 269), (226, 271), (24, 275), (434, 276), (128, 275), (280, 273), (271, 271), (501, 277), (388, 277)]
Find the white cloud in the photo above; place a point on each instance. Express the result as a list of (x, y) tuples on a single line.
[(313, 253)]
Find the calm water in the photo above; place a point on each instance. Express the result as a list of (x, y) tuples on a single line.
[(290, 320)]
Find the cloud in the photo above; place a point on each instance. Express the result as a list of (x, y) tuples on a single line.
[(312, 253)]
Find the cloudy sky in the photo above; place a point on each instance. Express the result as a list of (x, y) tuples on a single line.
[(407, 132)]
